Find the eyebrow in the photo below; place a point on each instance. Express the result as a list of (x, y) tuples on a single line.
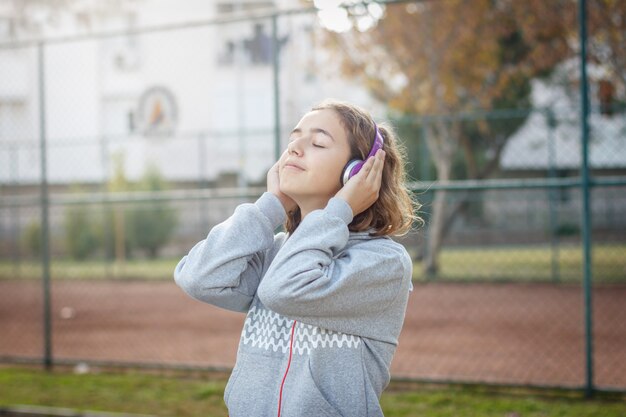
[(315, 130)]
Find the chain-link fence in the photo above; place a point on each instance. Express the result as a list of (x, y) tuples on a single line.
[(119, 152)]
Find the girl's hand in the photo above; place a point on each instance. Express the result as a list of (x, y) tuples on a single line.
[(361, 191), (273, 186)]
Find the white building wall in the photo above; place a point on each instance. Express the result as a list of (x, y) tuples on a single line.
[(225, 113)]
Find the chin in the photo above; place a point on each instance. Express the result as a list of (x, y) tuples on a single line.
[(298, 195), (302, 190), (287, 189)]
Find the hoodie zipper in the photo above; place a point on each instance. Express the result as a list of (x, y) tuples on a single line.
[(280, 395)]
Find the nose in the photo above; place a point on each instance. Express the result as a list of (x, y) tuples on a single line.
[(295, 147)]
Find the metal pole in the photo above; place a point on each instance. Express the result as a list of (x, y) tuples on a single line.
[(586, 215), (45, 229), (553, 195), (276, 73), (14, 158), (239, 58), (426, 199), (424, 156), (202, 183), (106, 210)]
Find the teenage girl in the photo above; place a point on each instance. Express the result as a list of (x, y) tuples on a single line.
[(326, 299)]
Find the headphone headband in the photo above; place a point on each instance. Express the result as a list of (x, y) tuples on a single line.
[(378, 142), (355, 165)]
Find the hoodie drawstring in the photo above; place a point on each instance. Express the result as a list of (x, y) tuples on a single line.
[(280, 396)]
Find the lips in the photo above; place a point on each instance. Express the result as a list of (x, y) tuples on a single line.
[(293, 165)]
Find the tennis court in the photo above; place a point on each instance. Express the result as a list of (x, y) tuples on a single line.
[(506, 333)]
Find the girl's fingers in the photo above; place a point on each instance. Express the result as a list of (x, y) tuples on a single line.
[(375, 173), (274, 168), (371, 164), (366, 169), (381, 165)]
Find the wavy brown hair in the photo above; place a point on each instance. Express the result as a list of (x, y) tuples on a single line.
[(394, 212)]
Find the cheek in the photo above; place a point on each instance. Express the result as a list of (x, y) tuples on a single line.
[(281, 162), (331, 174), (282, 158)]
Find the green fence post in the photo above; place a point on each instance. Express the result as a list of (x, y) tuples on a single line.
[(45, 229), (429, 196), (552, 195), (203, 183), (104, 208), (13, 152), (276, 73), (586, 215), (424, 155)]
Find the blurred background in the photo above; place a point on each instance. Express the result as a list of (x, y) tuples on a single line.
[(129, 128)]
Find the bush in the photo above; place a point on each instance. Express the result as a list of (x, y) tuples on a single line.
[(107, 233), (31, 238), (152, 224), (568, 229), (146, 226), (81, 238)]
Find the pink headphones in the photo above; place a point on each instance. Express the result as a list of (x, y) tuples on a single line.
[(354, 166)]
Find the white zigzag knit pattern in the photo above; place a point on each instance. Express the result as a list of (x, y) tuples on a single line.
[(309, 337), (267, 330)]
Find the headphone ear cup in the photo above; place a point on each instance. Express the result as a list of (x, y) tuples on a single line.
[(346, 174)]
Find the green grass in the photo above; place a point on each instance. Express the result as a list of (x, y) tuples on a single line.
[(519, 263), (157, 269), (530, 263), (180, 396)]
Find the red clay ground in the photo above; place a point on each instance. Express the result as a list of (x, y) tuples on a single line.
[(506, 333)]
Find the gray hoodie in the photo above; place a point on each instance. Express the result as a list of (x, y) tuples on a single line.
[(324, 306)]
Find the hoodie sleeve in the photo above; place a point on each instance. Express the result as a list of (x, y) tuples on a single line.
[(314, 280), (225, 268)]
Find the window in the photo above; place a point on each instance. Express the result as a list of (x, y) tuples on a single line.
[(256, 48), (606, 97)]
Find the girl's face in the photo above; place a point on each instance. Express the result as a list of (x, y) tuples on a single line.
[(310, 168)]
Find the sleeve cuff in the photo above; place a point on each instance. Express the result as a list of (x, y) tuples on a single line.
[(272, 208), (339, 207)]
